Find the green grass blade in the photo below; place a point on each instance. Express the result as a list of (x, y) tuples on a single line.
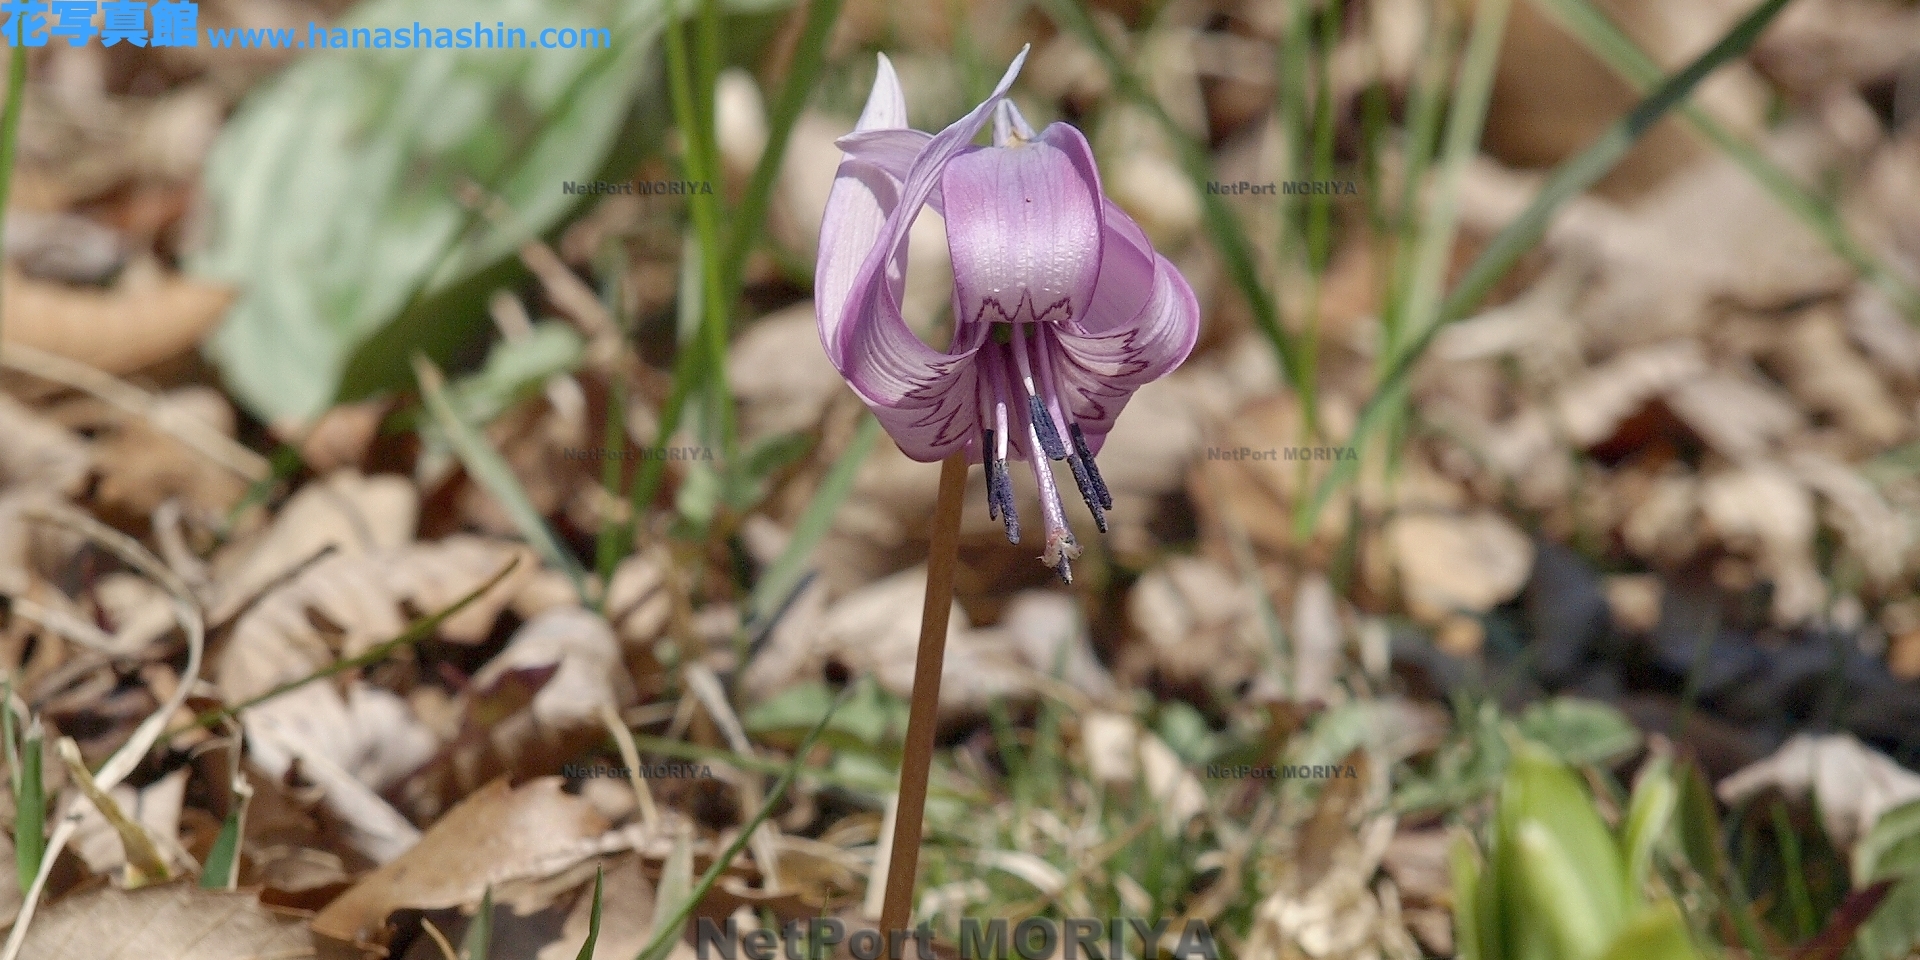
[(696, 134), (1236, 252), (809, 57), (10, 131), (662, 936), (1463, 866), (1604, 39), (478, 943), (674, 890), (491, 471), (1649, 815), (1320, 167), (30, 811), (1465, 122), (222, 870), (1798, 898), (787, 571), (223, 861), (593, 919), (1423, 131), (611, 542), (1568, 180)]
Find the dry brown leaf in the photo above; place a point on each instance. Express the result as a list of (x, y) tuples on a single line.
[(875, 631), (1829, 377), (1451, 563), (533, 707), (1710, 234), (338, 439), (362, 600), (351, 738), (10, 895), (156, 807), (149, 317), (1663, 525), (626, 920), (1874, 531), (1199, 622), (1883, 332), (496, 835), (1316, 639), (142, 465), (1170, 783), (638, 602), (1852, 783), (1552, 97), (1048, 634), (1765, 512), (1817, 45), (1341, 916), (38, 452), (178, 921), (1591, 408), (1738, 416), (344, 511), (779, 375)]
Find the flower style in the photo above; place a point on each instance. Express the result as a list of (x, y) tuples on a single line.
[(1061, 307)]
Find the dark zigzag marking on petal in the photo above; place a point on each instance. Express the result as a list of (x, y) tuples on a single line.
[(1026, 300)]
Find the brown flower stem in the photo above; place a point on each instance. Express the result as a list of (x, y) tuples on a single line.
[(923, 715)]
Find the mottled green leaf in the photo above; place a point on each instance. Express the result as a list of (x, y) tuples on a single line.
[(339, 195), (1580, 731)]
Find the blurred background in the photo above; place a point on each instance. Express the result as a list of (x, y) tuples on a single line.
[(386, 464)]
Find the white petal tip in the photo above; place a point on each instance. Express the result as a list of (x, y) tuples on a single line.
[(887, 105)]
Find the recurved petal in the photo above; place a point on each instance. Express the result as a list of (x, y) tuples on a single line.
[(886, 104), (924, 397), (1143, 322), (857, 209), (859, 202), (1023, 226), (892, 150)]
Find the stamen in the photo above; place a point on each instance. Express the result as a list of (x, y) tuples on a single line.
[(1087, 493), (1093, 471), (1079, 461), (1048, 439), (993, 485), (999, 481)]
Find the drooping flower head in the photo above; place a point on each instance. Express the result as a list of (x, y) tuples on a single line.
[(1061, 307)]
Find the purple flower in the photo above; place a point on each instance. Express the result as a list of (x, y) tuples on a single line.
[(1061, 307)]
